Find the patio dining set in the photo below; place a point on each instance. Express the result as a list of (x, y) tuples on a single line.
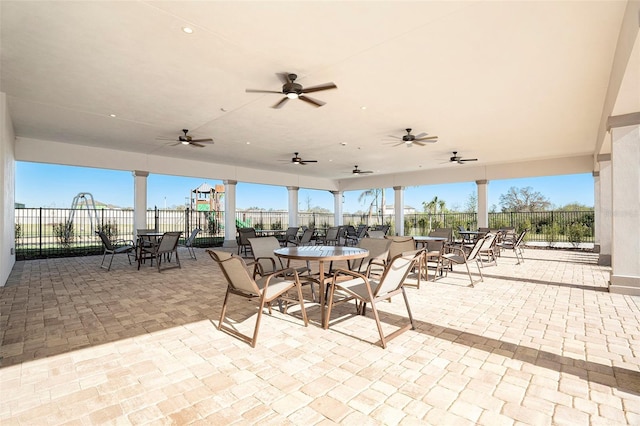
[(150, 245), (378, 267)]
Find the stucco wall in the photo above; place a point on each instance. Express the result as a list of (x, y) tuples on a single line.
[(8, 173)]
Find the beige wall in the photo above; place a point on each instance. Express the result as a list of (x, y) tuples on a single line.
[(8, 173)]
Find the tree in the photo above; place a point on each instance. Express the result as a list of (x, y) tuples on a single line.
[(374, 193), (471, 204), (523, 200)]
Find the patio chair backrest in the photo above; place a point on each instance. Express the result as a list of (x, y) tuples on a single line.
[(333, 234), (192, 237), (476, 248), (399, 245), (378, 249), (169, 242), (105, 240), (262, 249), (235, 271), (521, 238), (396, 272), (488, 242), (361, 231), (306, 236), (291, 234), (375, 234), (244, 234), (443, 232)]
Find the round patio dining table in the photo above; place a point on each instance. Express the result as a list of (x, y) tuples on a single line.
[(321, 254)]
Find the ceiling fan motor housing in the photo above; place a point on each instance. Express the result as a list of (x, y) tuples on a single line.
[(292, 88)]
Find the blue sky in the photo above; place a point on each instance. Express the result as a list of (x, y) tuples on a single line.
[(47, 185)]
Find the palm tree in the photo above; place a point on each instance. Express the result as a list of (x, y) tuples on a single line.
[(374, 193)]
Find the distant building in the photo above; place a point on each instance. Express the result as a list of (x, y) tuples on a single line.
[(18, 205), (390, 210)]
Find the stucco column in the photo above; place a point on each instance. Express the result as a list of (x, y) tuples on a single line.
[(399, 209), (230, 213), (139, 200), (483, 203), (596, 211), (625, 207), (604, 210), (337, 207), (293, 205)]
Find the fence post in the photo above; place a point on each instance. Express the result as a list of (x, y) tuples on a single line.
[(40, 233), (156, 218), (186, 221)]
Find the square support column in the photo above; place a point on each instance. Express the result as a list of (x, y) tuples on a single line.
[(139, 200), (293, 205), (399, 209), (625, 179), (483, 203), (604, 210), (337, 208), (230, 213)]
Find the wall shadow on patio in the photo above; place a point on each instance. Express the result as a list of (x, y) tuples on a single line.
[(621, 378), (544, 282)]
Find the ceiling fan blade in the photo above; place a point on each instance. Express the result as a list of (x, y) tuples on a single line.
[(326, 86), (177, 143), (417, 143), (281, 102), (261, 91), (311, 101), (394, 143), (468, 159), (308, 161), (421, 135), (395, 137), (196, 144), (166, 139), (430, 139), (202, 140)]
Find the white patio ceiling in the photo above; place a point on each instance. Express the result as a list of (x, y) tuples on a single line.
[(503, 82)]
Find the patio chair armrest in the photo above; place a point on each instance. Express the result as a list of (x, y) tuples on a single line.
[(460, 250), (343, 272), (286, 272)]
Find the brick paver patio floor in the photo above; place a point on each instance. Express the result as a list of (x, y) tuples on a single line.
[(538, 343)]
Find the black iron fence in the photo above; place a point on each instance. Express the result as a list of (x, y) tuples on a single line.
[(48, 232)]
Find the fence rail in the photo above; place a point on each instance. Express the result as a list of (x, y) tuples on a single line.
[(47, 232)]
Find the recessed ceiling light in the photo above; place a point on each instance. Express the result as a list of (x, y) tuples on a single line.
[(187, 30), (343, 143), (363, 107), (248, 143), (223, 109), (112, 115)]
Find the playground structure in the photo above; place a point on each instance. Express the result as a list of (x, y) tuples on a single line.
[(91, 210)]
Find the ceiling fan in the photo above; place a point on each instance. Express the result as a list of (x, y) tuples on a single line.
[(188, 140), (460, 160), (357, 171), (297, 160), (293, 90), (409, 140)]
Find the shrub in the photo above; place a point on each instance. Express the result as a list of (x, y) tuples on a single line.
[(276, 225), (551, 233), (576, 232), (18, 231), (109, 229), (64, 232)]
